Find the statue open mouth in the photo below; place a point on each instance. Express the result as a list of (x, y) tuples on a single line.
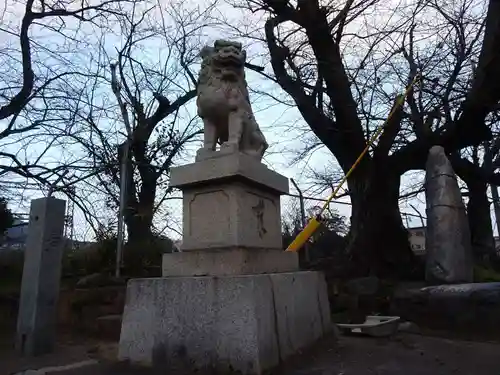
[(229, 60)]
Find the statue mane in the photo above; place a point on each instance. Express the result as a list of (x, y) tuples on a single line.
[(222, 95), (212, 76)]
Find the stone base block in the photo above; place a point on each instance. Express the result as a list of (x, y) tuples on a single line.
[(239, 261), (231, 200), (233, 323), (218, 166)]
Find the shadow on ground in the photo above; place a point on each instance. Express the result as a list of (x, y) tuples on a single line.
[(406, 354)]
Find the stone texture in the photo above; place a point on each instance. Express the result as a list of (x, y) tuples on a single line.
[(36, 323), (448, 244), (223, 101), (222, 166), (92, 311), (470, 309), (241, 323), (230, 202), (238, 261)]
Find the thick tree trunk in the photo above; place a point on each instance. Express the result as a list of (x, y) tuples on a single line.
[(139, 213), (479, 215), (496, 205), (140, 203), (138, 228), (478, 207), (378, 240)]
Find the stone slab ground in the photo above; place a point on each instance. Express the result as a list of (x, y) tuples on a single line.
[(471, 309), (406, 354)]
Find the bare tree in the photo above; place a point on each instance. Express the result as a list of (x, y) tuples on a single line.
[(343, 91), (149, 118), (451, 67), (35, 59)]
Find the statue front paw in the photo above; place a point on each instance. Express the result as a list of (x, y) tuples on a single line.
[(229, 145)]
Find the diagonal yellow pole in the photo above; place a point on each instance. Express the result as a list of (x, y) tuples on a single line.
[(314, 223)]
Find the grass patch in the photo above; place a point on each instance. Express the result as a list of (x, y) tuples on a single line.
[(485, 275)]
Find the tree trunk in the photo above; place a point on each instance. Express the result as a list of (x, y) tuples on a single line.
[(139, 213), (496, 205), (479, 216), (378, 241), (138, 228)]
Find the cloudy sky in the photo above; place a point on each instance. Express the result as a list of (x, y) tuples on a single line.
[(281, 124)]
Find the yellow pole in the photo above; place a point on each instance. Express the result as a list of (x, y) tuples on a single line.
[(314, 223)]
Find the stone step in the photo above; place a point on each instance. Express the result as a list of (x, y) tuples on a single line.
[(235, 261), (472, 309), (81, 307), (109, 327)]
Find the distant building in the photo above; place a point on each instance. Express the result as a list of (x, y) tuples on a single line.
[(416, 236), (15, 236)]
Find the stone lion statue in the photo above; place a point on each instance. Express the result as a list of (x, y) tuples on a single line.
[(223, 101)]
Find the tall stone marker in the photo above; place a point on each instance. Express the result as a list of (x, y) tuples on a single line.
[(233, 299), (448, 244), (36, 323)]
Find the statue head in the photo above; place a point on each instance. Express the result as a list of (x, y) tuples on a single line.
[(226, 58)]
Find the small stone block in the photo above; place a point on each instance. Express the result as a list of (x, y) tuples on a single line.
[(228, 262), (246, 324), (204, 154), (229, 166)]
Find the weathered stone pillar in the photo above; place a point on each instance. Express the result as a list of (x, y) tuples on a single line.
[(448, 244), (36, 323)]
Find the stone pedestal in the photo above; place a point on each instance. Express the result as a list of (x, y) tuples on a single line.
[(230, 201), (245, 324), (232, 299), (36, 323), (231, 216), (237, 261)]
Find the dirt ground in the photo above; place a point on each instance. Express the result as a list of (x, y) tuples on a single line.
[(403, 354)]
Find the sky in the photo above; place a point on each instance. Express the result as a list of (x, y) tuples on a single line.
[(281, 124)]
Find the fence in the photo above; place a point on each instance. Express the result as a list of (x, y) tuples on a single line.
[(20, 195), (297, 209)]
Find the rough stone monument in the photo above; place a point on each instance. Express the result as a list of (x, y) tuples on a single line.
[(232, 299), (448, 244), (36, 323)]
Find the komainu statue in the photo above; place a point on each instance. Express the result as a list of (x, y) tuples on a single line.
[(223, 101)]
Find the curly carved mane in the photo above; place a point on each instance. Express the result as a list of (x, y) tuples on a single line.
[(211, 76), (223, 101)]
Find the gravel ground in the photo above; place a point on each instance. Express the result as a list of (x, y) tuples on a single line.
[(403, 354)]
